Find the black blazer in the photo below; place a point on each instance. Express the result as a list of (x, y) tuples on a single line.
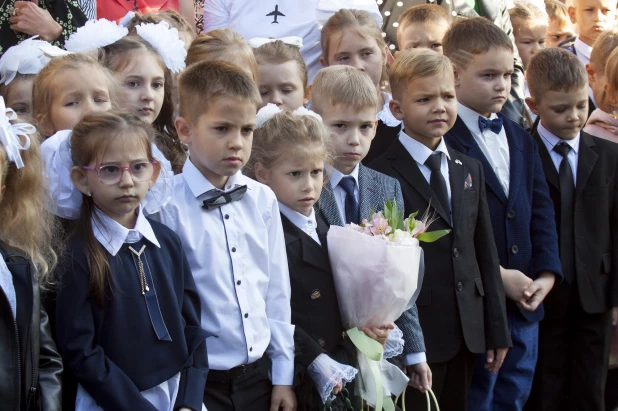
[(595, 222), (462, 299)]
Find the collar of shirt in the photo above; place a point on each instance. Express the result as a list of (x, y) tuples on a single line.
[(583, 49), (385, 114), (337, 175), (550, 139), (306, 223), (420, 152), (199, 185), (471, 119), (113, 235)]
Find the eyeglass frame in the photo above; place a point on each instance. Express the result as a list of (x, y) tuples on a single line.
[(154, 163)]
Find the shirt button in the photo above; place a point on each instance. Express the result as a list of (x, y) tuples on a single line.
[(250, 349), (511, 215), (309, 222), (238, 282), (455, 253), (460, 286), (227, 216), (514, 249), (315, 294), (246, 315), (233, 249)]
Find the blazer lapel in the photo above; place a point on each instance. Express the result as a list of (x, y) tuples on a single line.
[(551, 174), (516, 160), (472, 149), (326, 207), (313, 253), (587, 158), (457, 177), (367, 187)]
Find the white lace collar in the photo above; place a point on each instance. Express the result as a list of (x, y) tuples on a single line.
[(385, 114)]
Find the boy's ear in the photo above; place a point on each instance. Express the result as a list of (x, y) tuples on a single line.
[(532, 105), (572, 14), (183, 128), (323, 62), (307, 97), (262, 174), (456, 75), (592, 73), (80, 180), (395, 107)]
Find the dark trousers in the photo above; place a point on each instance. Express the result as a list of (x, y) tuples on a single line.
[(451, 381), (239, 389), (573, 359)]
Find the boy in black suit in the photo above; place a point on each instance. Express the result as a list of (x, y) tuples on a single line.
[(461, 305), (574, 336)]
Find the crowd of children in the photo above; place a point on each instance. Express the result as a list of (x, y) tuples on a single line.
[(165, 202)]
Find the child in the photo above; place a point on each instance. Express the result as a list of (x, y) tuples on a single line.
[(530, 29), (223, 45), (67, 89), (231, 231), (282, 73), (592, 17), (581, 171), (18, 66), (289, 155), (598, 102), (127, 310), (423, 26), (353, 38), (520, 208), (462, 281), (346, 100), (560, 30), (31, 366)]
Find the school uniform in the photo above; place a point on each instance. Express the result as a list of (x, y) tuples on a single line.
[(575, 334), (144, 348), (386, 133), (522, 217), (369, 191), (462, 284), (315, 309), (236, 252)]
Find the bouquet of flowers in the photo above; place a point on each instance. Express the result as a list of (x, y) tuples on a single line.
[(377, 271)]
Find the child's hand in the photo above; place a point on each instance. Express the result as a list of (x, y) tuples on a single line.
[(614, 316), (495, 358), (380, 334), (515, 283), (538, 290), (420, 376), (338, 388), (283, 398)]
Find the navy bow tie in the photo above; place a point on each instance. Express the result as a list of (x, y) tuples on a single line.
[(494, 125), (225, 198)]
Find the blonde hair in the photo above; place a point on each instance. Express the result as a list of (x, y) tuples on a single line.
[(221, 45), (417, 63), (525, 11), (611, 71), (343, 85), (555, 69), (603, 47), (26, 224), (557, 10), (44, 82), (277, 52), (420, 14), (202, 83), (172, 17), (288, 134)]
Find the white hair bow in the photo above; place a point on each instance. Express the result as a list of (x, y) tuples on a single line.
[(10, 135), (293, 41), (270, 110), (28, 57), (167, 43), (95, 34)]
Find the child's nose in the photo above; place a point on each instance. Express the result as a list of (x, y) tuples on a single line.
[(276, 98), (148, 94), (126, 179)]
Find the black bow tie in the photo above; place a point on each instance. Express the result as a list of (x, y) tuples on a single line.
[(225, 198)]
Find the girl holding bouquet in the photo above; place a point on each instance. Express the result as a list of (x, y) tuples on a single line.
[(290, 151)]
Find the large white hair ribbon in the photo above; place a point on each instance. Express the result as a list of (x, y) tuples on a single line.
[(14, 137)]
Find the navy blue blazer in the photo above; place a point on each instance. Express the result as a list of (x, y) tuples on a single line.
[(523, 224)]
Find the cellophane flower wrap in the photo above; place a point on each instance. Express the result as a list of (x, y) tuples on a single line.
[(376, 270)]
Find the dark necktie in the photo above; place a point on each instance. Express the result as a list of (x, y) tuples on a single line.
[(567, 206), (494, 125), (352, 212), (224, 198), (437, 182)]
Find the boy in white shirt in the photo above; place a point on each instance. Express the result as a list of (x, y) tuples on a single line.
[(231, 231)]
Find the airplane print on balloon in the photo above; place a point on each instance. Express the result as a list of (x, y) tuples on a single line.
[(276, 13)]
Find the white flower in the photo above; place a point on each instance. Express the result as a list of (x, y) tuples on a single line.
[(266, 113), (302, 111), (24, 58), (166, 42), (399, 236), (95, 34)]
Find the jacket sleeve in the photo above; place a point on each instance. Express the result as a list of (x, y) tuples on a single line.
[(545, 254), (193, 376), (110, 387), (496, 327), (410, 326), (306, 348), (50, 368)]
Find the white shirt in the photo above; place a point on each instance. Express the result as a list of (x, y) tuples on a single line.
[(583, 51), (112, 235), (420, 153), (308, 224), (550, 140), (6, 284), (494, 146), (340, 193), (237, 255)]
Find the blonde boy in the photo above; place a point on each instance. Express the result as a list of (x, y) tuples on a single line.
[(592, 17), (423, 26), (560, 29)]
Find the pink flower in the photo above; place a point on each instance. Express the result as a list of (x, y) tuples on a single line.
[(380, 225)]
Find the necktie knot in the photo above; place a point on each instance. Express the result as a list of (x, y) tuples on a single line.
[(494, 125), (434, 162), (348, 184), (563, 149)]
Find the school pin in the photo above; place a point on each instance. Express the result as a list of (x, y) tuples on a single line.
[(458, 162)]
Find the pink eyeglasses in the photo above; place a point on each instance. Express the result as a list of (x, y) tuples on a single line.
[(112, 174)]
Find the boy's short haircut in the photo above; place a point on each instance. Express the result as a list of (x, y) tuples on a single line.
[(202, 83), (414, 64), (473, 36), (343, 85), (557, 10), (525, 11), (422, 13), (555, 69), (277, 52), (602, 48)]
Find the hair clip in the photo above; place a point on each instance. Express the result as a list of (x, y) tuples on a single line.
[(94, 35), (28, 57), (293, 41), (270, 110), (124, 22), (167, 43), (10, 135)]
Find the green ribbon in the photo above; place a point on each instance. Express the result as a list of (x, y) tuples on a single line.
[(373, 350)]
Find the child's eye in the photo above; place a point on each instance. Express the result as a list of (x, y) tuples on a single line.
[(339, 126), (221, 129), (132, 84), (559, 110), (422, 100), (436, 46), (449, 96), (288, 90), (158, 85), (247, 130), (20, 110), (294, 173), (109, 170), (316, 172), (263, 92), (100, 100), (71, 103), (367, 53), (489, 75), (367, 127), (342, 58)]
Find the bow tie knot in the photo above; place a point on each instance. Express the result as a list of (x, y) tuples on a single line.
[(224, 198), (494, 125)]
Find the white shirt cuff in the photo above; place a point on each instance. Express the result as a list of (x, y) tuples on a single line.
[(282, 372), (414, 358)]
